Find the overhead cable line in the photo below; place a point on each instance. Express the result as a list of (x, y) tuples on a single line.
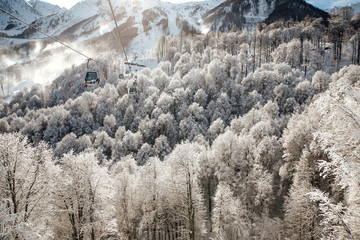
[(44, 33), (121, 43), (64, 44), (118, 30), (119, 38)]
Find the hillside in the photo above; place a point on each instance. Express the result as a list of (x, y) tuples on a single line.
[(233, 135), (297, 10), (354, 6), (140, 23), (29, 11)]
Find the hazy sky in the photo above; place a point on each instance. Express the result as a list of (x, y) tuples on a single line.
[(330, 3), (318, 3)]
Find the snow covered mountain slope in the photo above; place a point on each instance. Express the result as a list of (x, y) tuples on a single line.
[(235, 13), (44, 8), (141, 22), (29, 11), (355, 6), (296, 10)]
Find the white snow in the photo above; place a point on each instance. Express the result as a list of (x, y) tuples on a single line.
[(92, 18), (29, 11), (355, 6)]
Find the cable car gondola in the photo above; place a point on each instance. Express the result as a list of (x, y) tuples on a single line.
[(91, 78), (132, 89)]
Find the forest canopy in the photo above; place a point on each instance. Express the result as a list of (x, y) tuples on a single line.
[(236, 135)]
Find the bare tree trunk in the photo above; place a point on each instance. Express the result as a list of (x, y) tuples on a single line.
[(335, 55), (80, 219), (358, 51), (29, 194), (72, 219), (181, 37), (260, 48), (191, 210), (92, 212), (12, 187), (301, 51), (254, 60), (210, 202)]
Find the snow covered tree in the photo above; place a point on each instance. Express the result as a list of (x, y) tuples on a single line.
[(183, 65), (300, 212), (4, 126), (336, 36), (161, 47), (201, 97), (58, 126), (65, 145), (221, 108), (159, 219), (144, 153), (127, 201), (231, 156), (110, 124), (337, 139), (243, 58), (335, 217), (160, 79), (81, 114), (320, 81), (104, 142), (129, 118), (161, 146), (215, 129), (83, 195), (25, 185), (303, 91), (229, 215), (184, 163), (217, 73)]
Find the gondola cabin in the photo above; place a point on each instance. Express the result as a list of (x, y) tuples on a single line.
[(91, 79), (132, 89)]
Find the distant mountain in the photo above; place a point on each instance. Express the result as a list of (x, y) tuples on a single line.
[(142, 22), (238, 13), (355, 6), (297, 10), (44, 8), (29, 11)]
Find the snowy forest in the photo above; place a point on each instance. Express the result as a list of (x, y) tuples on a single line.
[(246, 134)]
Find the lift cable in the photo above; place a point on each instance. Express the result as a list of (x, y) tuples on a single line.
[(121, 43), (65, 45), (45, 33), (118, 30)]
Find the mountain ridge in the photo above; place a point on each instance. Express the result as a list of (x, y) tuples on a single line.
[(290, 9), (91, 18), (354, 6), (29, 11)]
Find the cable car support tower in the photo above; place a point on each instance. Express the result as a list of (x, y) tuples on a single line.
[(121, 43)]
